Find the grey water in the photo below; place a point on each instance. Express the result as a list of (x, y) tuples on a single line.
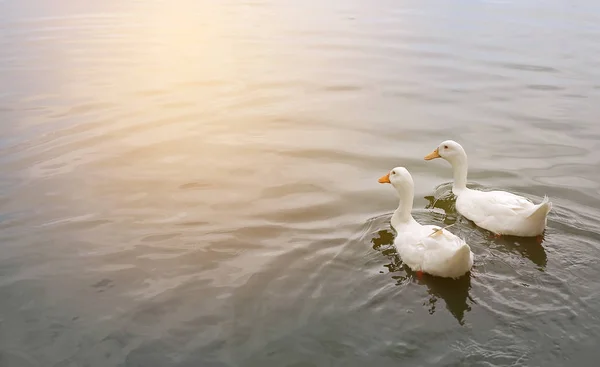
[(194, 183)]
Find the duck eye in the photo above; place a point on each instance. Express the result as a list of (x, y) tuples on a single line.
[(393, 172), (445, 147)]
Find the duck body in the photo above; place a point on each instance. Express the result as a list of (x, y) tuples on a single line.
[(504, 213), (432, 250), (425, 248), (500, 212)]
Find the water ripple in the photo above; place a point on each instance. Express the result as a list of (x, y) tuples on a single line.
[(196, 184)]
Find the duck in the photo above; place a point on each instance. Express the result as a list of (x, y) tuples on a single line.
[(424, 248), (500, 212)]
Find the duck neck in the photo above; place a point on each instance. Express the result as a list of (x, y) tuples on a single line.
[(460, 170), (402, 215)]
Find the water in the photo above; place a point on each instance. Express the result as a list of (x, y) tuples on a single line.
[(194, 183)]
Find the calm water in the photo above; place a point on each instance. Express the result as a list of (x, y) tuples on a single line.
[(194, 183)]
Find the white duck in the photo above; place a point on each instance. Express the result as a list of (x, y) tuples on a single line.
[(429, 249), (500, 212)]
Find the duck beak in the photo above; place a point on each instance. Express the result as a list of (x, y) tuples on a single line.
[(384, 179), (433, 155)]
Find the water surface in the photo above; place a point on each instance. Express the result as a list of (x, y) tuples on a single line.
[(194, 183)]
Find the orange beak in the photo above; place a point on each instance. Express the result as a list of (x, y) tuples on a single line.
[(433, 155), (385, 179)]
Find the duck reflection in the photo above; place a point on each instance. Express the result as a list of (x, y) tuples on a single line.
[(525, 247), (528, 248), (443, 199), (454, 292)]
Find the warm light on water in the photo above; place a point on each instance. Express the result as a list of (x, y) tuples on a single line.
[(194, 183)]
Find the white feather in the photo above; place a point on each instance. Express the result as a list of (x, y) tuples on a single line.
[(500, 212), (425, 248)]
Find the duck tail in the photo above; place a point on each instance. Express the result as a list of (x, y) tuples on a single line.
[(541, 210), (462, 254)]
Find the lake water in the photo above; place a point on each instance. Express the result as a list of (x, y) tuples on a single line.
[(194, 183)]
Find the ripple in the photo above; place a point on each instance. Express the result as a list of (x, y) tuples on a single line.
[(526, 67), (544, 87), (196, 184)]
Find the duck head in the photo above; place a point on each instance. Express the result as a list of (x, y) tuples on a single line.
[(449, 150), (398, 177)]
